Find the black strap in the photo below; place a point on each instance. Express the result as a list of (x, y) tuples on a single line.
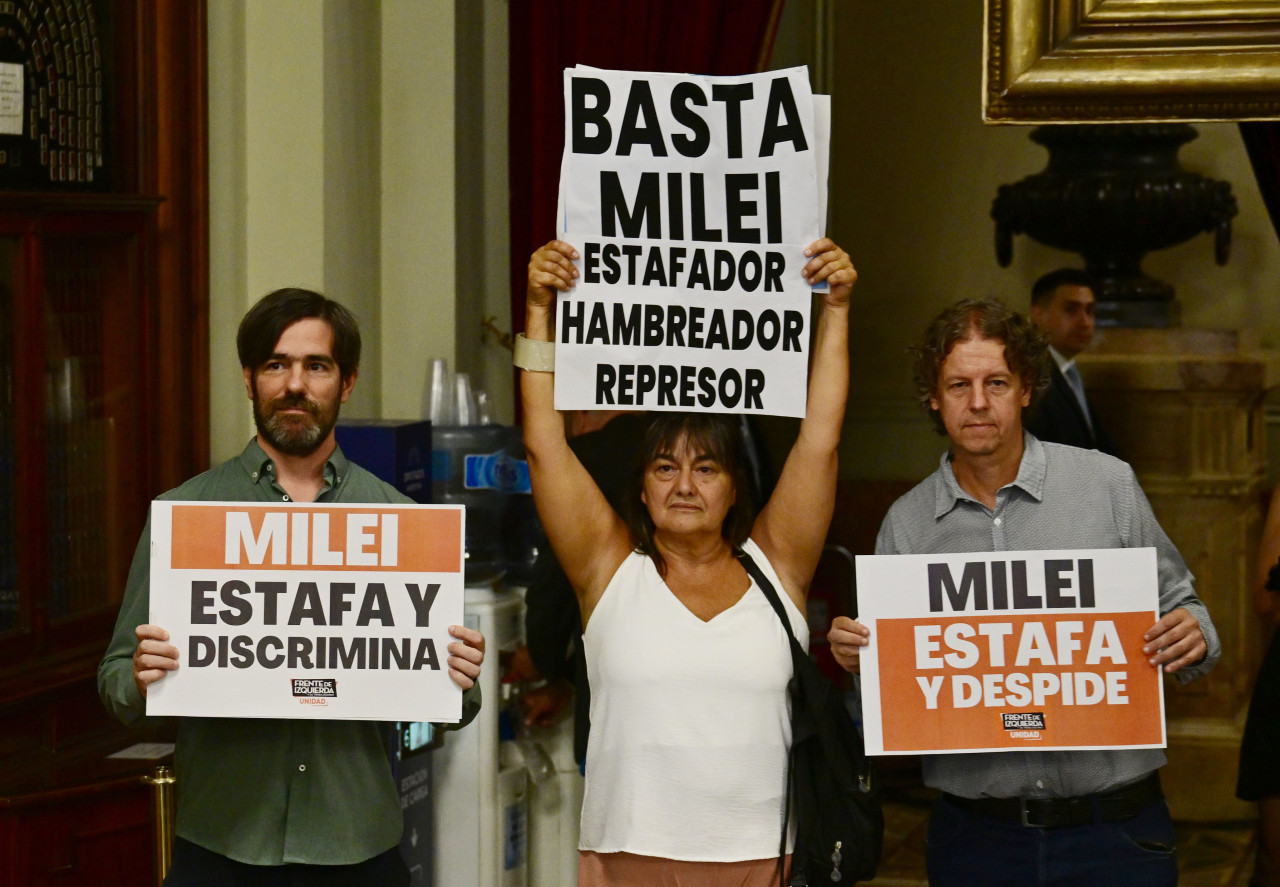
[(754, 571), (757, 575)]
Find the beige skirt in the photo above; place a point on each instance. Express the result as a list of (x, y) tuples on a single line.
[(631, 870)]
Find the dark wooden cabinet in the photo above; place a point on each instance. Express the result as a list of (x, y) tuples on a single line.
[(97, 833), (75, 385), (103, 402), (69, 814)]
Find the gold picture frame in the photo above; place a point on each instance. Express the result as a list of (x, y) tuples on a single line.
[(1049, 61)]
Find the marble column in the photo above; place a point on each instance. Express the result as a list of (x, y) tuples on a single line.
[(1185, 409)]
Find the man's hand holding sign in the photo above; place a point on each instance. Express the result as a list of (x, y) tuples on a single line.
[(1175, 642)]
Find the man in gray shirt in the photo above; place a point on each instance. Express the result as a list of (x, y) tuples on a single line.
[(1059, 817)]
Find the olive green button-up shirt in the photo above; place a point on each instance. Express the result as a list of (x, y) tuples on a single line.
[(262, 791)]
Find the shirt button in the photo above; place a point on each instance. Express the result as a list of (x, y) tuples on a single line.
[(998, 521), (285, 497), (302, 768), (254, 475), (1039, 782)]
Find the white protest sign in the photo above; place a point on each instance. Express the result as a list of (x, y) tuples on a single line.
[(307, 611), (690, 200), (1009, 651)]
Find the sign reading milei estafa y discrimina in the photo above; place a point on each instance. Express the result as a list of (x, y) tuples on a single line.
[(307, 611)]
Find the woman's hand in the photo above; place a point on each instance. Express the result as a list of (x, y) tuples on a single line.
[(550, 269), (830, 263)]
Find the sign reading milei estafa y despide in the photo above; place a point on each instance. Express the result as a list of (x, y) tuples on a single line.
[(1009, 651), (307, 611)]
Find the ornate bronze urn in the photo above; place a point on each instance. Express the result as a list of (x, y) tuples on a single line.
[(1113, 193)]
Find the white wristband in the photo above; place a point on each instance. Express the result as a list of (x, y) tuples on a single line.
[(530, 354)]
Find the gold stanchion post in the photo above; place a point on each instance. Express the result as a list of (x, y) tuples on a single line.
[(163, 807)]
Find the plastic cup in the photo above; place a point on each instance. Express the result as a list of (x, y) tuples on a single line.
[(439, 404)]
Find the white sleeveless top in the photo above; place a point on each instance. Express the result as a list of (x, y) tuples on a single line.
[(690, 722)]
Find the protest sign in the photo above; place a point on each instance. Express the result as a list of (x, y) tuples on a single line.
[(307, 611), (1009, 651), (690, 200)]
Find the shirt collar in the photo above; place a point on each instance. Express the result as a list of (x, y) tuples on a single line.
[(258, 465), (1062, 362), (1030, 479)]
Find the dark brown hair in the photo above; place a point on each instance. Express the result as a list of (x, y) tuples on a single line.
[(714, 435), (275, 312), (1025, 349)]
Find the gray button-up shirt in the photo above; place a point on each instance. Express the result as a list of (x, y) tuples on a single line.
[(1062, 498)]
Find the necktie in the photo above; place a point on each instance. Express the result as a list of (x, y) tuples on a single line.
[(1072, 374)]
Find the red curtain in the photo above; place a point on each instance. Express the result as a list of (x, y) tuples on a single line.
[(1262, 141), (547, 36)]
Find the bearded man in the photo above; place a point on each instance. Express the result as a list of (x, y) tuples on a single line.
[(263, 801)]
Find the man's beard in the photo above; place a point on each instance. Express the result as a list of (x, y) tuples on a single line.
[(294, 435)]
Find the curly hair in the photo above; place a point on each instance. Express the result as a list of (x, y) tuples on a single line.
[(706, 433), (1025, 348)]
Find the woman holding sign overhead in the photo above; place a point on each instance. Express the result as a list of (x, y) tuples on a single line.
[(688, 662)]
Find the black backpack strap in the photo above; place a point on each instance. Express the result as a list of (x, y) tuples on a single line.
[(754, 571), (757, 575)]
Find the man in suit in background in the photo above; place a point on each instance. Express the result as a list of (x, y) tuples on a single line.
[(1062, 307)]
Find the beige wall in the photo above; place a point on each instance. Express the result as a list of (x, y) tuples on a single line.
[(335, 133), (360, 147), (914, 172)]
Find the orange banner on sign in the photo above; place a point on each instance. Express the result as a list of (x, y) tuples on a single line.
[(1017, 681), (225, 536)]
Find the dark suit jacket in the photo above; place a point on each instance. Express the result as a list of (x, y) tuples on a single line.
[(1059, 419)]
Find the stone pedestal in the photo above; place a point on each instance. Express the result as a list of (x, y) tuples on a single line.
[(1185, 409)]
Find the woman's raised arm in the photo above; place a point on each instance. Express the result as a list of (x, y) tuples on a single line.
[(589, 539), (792, 527)]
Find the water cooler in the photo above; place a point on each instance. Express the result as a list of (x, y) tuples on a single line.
[(399, 453), (555, 807), (412, 761), (480, 779), (488, 805)]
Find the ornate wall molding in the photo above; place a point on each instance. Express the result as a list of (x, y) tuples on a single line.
[(1131, 60)]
